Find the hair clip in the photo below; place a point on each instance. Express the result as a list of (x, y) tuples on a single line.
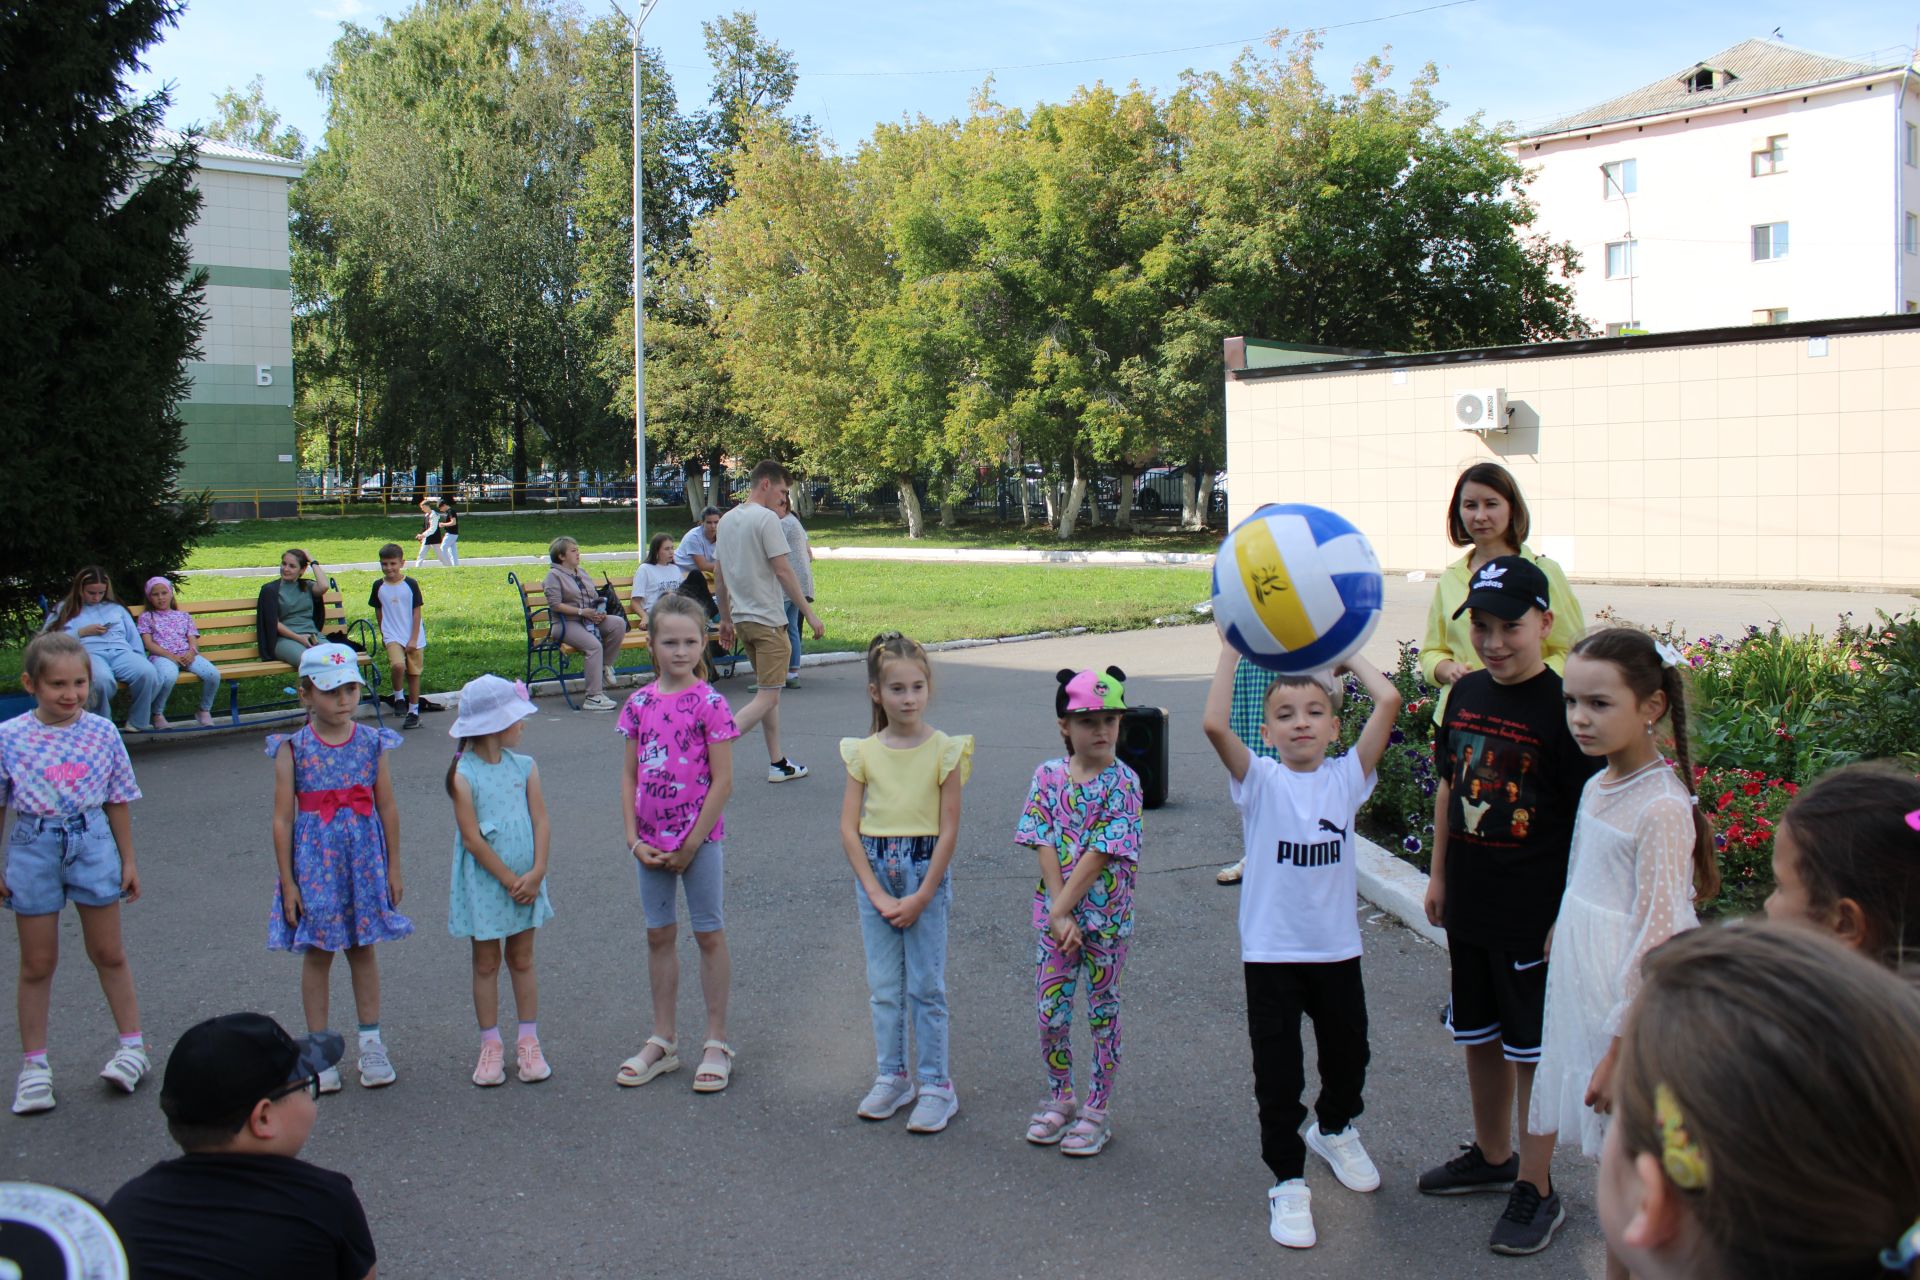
[(1694, 800), (1669, 656), (1913, 819), (1905, 1251), (1680, 1155)]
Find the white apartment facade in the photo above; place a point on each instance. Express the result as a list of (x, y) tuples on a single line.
[(1764, 185)]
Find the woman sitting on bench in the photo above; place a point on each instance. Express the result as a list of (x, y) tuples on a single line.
[(291, 609)]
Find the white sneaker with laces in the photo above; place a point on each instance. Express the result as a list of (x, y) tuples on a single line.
[(936, 1105), (127, 1068), (786, 771), (1349, 1159), (600, 702), (1290, 1214), (376, 1069), (888, 1095)]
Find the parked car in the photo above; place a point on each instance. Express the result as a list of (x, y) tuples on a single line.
[(1158, 489)]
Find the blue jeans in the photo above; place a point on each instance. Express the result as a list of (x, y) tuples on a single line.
[(793, 639), (169, 672), (123, 666), (906, 968), (54, 859)]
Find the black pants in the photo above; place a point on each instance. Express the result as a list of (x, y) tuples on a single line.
[(695, 587), (1334, 997)]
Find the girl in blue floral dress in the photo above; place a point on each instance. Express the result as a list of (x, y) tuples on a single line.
[(336, 838)]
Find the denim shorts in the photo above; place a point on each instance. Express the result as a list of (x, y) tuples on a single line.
[(702, 881), (53, 860)]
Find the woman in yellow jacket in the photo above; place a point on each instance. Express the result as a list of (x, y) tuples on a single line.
[(1488, 514)]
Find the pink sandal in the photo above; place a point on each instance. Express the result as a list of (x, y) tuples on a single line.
[(1045, 1126)]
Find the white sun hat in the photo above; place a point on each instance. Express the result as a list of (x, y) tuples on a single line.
[(489, 704)]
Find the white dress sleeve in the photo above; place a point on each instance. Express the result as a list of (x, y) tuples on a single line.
[(1663, 838)]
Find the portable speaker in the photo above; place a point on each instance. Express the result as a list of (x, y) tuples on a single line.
[(1143, 746)]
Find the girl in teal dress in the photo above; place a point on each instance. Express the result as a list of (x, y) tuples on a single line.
[(499, 890)]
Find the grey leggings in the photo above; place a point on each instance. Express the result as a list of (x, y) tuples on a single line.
[(702, 880)]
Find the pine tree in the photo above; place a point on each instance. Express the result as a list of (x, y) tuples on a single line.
[(99, 309)]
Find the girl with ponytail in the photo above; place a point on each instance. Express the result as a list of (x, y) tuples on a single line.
[(1642, 858)]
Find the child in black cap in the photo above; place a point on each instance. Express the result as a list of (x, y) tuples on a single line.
[(1510, 782), (240, 1096)]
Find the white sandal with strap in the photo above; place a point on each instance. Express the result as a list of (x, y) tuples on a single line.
[(636, 1071), (712, 1077), (1045, 1126)]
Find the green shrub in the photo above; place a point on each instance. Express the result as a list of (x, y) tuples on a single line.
[(1399, 814)]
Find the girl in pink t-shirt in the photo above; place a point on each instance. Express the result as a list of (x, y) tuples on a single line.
[(677, 774)]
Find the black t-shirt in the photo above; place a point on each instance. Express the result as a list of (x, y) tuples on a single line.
[(219, 1216), (1516, 775)]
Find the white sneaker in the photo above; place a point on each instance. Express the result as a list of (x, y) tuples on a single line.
[(609, 678), (127, 1068), (1231, 873), (935, 1107), (376, 1069), (330, 1080), (599, 702), (786, 771), (34, 1092), (1290, 1214), (1349, 1159), (888, 1095)]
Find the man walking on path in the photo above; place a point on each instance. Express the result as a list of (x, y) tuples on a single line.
[(754, 580)]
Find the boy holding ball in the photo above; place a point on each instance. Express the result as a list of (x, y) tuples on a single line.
[(1299, 932), (1510, 782)]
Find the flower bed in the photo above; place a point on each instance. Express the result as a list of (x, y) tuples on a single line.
[(1770, 710)]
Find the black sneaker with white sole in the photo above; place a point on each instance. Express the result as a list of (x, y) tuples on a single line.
[(1468, 1172), (1529, 1222), (412, 721), (785, 770)]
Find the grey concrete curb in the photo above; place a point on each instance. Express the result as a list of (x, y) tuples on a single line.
[(1396, 887)]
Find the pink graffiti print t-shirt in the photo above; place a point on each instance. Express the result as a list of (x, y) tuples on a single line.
[(48, 770), (1101, 815), (670, 733)]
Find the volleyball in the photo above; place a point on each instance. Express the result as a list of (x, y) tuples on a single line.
[(1296, 588)]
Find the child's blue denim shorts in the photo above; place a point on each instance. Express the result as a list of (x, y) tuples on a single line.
[(54, 859)]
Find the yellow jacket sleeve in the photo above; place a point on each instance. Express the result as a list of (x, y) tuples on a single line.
[(1568, 622)]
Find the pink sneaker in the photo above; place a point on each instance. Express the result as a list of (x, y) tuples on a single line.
[(205, 718), (533, 1063), (491, 1070)]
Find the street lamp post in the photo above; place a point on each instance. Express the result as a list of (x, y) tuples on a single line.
[(639, 299)]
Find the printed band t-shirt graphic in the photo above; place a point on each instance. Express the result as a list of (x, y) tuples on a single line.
[(670, 733), (1298, 895), (1516, 775)]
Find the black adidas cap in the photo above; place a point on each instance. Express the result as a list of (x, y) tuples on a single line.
[(1506, 587)]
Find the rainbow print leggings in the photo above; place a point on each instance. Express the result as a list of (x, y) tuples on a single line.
[(1056, 975)]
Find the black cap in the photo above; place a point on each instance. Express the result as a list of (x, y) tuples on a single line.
[(224, 1065), (1507, 586)]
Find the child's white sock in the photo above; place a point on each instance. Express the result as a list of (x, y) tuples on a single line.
[(133, 1040), (369, 1035), (35, 1058), (413, 708)]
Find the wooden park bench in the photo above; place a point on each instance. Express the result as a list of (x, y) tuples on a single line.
[(548, 651)]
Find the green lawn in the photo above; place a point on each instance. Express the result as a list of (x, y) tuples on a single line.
[(357, 538), (474, 622)]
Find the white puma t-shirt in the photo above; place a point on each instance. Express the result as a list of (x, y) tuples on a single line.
[(1298, 896)]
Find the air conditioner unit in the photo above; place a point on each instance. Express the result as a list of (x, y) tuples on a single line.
[(1482, 410)]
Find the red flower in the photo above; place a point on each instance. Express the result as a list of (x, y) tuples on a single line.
[(1792, 789), (1751, 788), (1726, 798)]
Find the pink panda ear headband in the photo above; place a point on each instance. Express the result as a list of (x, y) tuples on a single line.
[(1913, 820), (1090, 691)]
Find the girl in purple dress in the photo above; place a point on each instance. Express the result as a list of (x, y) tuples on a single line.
[(336, 837)]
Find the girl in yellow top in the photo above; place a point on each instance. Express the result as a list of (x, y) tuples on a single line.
[(898, 824), (1488, 514)]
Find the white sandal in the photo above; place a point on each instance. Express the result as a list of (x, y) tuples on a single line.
[(712, 1077), (636, 1071), (1046, 1125)]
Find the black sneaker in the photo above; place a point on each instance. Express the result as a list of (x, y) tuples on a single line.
[(1469, 1172), (412, 721), (398, 701), (1529, 1222), (431, 706)]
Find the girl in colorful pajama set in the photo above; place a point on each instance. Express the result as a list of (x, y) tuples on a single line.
[(1083, 816)]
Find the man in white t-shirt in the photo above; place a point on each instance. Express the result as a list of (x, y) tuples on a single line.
[(754, 579), (1299, 935), (695, 558)]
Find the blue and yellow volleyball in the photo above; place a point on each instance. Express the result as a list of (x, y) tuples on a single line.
[(1296, 588)]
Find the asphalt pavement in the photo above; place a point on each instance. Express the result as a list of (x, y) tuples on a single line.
[(776, 1176)]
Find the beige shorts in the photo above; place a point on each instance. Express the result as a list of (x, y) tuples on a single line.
[(767, 648), (401, 658)]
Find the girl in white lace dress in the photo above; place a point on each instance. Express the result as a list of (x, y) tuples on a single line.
[(1642, 855)]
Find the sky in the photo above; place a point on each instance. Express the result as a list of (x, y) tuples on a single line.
[(862, 62)]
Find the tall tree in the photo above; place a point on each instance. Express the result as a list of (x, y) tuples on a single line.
[(244, 118), (99, 311)]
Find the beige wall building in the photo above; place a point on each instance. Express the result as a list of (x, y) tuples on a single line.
[(1789, 454)]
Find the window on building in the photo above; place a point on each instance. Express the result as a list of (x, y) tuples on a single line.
[(1769, 241), (1619, 259), (1704, 79), (1620, 328), (1770, 315), (1771, 158), (1621, 179), (1913, 146), (1910, 238)]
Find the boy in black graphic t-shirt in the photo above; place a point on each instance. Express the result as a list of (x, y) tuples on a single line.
[(1511, 777), (1299, 935)]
